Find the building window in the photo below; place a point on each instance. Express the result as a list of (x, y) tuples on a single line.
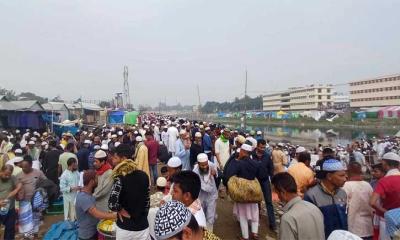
[(319, 97), (319, 90)]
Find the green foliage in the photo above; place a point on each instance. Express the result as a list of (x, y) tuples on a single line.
[(237, 105)]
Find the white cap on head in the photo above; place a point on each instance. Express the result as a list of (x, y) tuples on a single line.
[(44, 143), (34, 139), (90, 134), (161, 142), (17, 131), (18, 159), (280, 144), (31, 143), (135, 132), (100, 154), (207, 128), (120, 133), (104, 147), (62, 146), (391, 156), (182, 132), (202, 157), (117, 144), (259, 132), (18, 151), (197, 134), (114, 136), (174, 162), (300, 149), (96, 147), (246, 147), (87, 141), (161, 182), (139, 139)]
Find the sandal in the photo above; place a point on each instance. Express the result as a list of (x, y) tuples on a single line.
[(254, 236)]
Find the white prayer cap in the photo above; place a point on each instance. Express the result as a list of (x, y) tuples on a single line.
[(90, 134), (153, 125), (96, 147), (84, 132), (207, 128), (17, 131), (135, 132), (139, 139), (391, 156), (300, 149), (241, 139), (44, 143), (114, 136), (161, 182), (202, 157), (174, 162), (246, 147), (18, 151), (259, 132), (18, 159), (201, 126), (87, 141), (34, 139), (117, 144), (280, 145), (62, 146), (104, 147), (182, 132), (343, 235), (197, 134), (120, 133), (100, 154), (104, 142), (146, 127), (31, 143), (28, 130)]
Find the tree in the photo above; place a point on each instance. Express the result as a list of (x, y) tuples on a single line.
[(105, 104), (10, 94), (31, 96)]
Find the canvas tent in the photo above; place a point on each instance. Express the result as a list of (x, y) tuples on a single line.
[(389, 112)]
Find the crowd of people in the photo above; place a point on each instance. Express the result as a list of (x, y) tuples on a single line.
[(161, 179)]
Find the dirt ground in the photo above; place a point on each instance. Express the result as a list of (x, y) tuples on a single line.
[(226, 226)]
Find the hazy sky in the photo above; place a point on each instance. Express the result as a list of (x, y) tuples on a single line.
[(79, 47)]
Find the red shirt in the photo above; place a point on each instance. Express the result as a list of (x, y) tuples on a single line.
[(152, 146), (388, 189)]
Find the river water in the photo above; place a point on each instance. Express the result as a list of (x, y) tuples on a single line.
[(311, 137)]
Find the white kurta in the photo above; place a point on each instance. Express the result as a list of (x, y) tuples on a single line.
[(173, 135)]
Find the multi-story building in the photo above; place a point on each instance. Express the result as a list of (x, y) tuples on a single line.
[(375, 92), (340, 101), (313, 97)]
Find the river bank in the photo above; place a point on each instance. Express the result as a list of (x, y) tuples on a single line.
[(385, 124)]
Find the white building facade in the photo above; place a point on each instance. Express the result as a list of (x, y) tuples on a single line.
[(313, 97), (375, 92)]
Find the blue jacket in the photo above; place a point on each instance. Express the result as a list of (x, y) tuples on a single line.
[(266, 163), (207, 143), (332, 207)]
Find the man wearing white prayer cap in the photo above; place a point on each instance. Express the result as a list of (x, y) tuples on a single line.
[(207, 172)]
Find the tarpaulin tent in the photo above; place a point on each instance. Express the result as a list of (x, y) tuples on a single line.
[(358, 115), (389, 112), (131, 117), (116, 117)]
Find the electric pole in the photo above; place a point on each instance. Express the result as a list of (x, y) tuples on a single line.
[(245, 104)]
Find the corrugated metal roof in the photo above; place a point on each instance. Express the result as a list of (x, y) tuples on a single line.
[(30, 105), (55, 106), (87, 106)]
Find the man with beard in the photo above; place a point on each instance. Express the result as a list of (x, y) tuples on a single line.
[(104, 180), (208, 193), (195, 149), (8, 189)]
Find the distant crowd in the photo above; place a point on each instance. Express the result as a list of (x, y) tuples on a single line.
[(161, 179)]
